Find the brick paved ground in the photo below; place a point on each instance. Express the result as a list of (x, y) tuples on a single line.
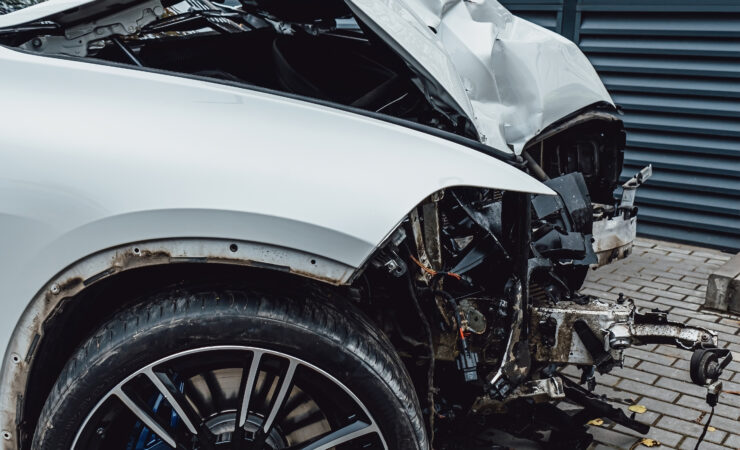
[(672, 277)]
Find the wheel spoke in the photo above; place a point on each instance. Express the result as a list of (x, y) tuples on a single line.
[(247, 386), (166, 387), (278, 395), (286, 383), (142, 415), (341, 436)]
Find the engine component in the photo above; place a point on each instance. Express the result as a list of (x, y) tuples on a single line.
[(562, 228), (603, 329), (473, 321), (551, 388)]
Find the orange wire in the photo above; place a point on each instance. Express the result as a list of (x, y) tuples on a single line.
[(433, 272)]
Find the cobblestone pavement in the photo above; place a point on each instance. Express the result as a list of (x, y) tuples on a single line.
[(671, 277)]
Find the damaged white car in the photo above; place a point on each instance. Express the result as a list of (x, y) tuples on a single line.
[(297, 224)]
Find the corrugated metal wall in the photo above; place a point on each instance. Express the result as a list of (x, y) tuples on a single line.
[(674, 67)]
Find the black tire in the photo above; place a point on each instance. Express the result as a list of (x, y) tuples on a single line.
[(326, 332)]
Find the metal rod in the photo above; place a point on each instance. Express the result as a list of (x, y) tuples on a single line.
[(534, 167), (126, 51)]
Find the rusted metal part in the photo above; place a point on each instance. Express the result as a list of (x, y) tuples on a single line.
[(29, 331), (599, 315), (684, 336), (430, 212), (419, 242), (617, 325)]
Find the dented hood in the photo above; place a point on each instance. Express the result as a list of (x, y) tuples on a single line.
[(510, 77)]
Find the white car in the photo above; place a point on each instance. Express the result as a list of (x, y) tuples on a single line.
[(296, 224)]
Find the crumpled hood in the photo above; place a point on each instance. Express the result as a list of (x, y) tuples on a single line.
[(511, 77)]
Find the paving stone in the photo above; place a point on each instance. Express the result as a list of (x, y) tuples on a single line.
[(733, 441), (694, 299), (648, 243), (663, 294), (690, 443), (672, 351), (683, 387), (694, 258), (637, 375), (689, 292), (676, 303), (692, 314), (649, 356), (635, 295), (670, 409), (713, 326), (619, 284), (730, 321), (671, 372), (596, 286), (671, 248), (647, 390), (687, 272), (665, 437), (663, 273), (721, 409), (673, 278), (647, 283), (690, 429), (678, 283), (723, 423), (712, 255)]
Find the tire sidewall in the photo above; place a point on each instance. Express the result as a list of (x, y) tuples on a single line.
[(351, 361)]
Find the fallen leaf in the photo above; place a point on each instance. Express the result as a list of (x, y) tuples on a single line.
[(639, 409), (710, 428), (647, 442), (596, 422)]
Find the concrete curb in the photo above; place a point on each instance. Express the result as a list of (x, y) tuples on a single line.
[(723, 287)]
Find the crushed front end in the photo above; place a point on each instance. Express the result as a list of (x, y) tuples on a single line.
[(495, 277)]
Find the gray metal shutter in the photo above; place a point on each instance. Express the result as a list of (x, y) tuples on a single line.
[(674, 67)]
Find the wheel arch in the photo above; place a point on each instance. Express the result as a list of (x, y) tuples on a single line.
[(68, 307)]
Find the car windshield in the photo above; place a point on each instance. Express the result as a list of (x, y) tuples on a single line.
[(7, 6)]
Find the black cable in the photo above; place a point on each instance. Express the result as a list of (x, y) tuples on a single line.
[(430, 343), (704, 431)]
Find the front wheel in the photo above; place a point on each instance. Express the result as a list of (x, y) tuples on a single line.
[(233, 369)]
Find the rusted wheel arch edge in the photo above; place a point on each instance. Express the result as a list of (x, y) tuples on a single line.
[(100, 266)]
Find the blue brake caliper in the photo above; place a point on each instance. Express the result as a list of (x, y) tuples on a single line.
[(142, 437)]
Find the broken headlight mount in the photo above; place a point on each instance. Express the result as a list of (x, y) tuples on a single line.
[(615, 226)]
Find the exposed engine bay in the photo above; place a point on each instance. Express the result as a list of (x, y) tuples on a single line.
[(478, 289), (495, 277), (320, 53)]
